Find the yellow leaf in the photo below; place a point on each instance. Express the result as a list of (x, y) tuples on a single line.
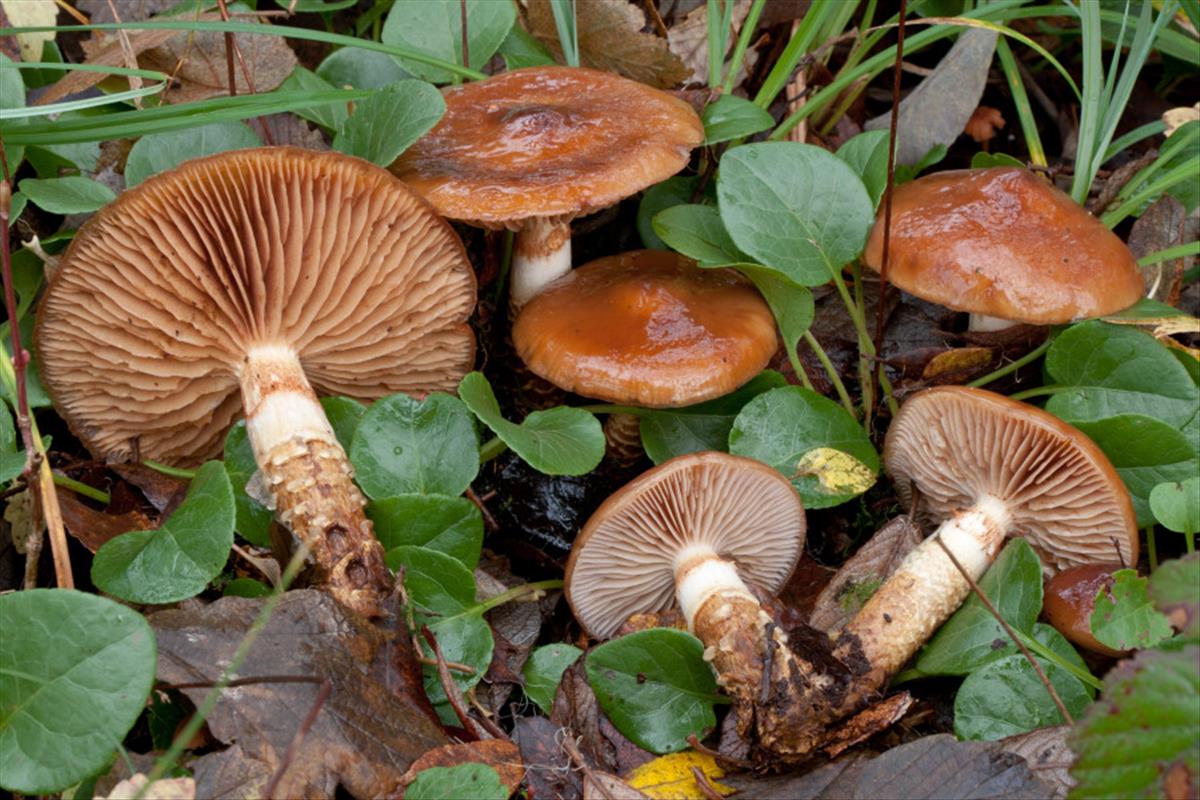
[(671, 778), (836, 472), (960, 359), (31, 13)]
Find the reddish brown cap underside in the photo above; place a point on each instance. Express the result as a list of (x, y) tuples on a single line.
[(1004, 243), (144, 327), (950, 446), (548, 142), (623, 561), (1070, 600), (647, 327)]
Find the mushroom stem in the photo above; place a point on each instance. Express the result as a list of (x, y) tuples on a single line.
[(306, 475), (982, 323), (742, 643), (541, 255)]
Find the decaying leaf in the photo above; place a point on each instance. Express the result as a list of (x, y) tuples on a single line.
[(669, 777), (863, 573), (575, 708), (19, 514), (167, 789), (504, 757), (1163, 225), (1048, 755), (937, 111), (548, 769), (93, 528), (688, 39), (837, 472), (611, 38), (984, 123), (31, 13), (374, 725), (1174, 118), (866, 723), (599, 785), (957, 364)]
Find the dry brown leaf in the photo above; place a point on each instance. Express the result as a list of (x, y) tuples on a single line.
[(93, 528), (611, 38), (502, 756), (688, 39), (599, 785), (31, 13), (858, 578), (957, 363), (984, 123), (1048, 755), (1175, 118)]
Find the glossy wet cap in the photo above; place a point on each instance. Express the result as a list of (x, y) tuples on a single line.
[(951, 446), (649, 328), (1070, 600), (624, 559), (1004, 243), (143, 330), (548, 142)]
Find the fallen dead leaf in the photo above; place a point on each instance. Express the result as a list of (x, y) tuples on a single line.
[(1164, 224), (1175, 118), (31, 13), (92, 528), (575, 708), (162, 491), (866, 723), (611, 38), (670, 777), (599, 785), (862, 573), (502, 756), (168, 789), (375, 723), (1048, 755), (688, 39), (548, 769), (19, 514), (957, 365)]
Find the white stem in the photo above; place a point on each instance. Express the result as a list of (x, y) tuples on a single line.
[(541, 255), (982, 323), (701, 574), (283, 407)]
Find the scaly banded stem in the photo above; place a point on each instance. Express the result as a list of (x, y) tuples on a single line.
[(623, 437), (308, 478), (541, 255)]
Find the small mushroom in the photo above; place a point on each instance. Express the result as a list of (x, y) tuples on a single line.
[(241, 281), (646, 328), (1006, 246), (531, 149), (696, 533), (1071, 598), (990, 467)]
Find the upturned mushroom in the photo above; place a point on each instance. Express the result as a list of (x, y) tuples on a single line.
[(1070, 600), (241, 282), (988, 467), (1006, 246), (531, 149), (696, 533), (646, 328)]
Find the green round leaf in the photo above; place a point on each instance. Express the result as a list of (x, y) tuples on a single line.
[(656, 687), (246, 587), (178, 560), (360, 69), (795, 208), (462, 782), (1176, 505), (73, 194), (434, 27), (330, 117), (780, 426), (1006, 697), (659, 197), (344, 414), (75, 671), (450, 525), (732, 117), (158, 152), (560, 441), (253, 520), (544, 669), (1128, 619), (697, 232), (867, 155), (385, 124), (407, 446), (1175, 589)]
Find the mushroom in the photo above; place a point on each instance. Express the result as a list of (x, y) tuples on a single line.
[(696, 532), (262, 273), (646, 328), (1006, 246), (990, 467), (1070, 600), (531, 149)]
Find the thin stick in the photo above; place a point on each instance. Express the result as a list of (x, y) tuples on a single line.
[(135, 81), (1062, 709), (488, 519), (716, 755), (231, 39), (655, 18), (881, 303), (705, 787), (473, 728), (466, 48), (294, 745)]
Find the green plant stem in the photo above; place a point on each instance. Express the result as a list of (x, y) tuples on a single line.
[(798, 367), (490, 449), (1013, 366), (174, 472), (866, 378), (181, 740), (519, 591), (743, 41), (1041, 391), (797, 47), (1151, 549), (1054, 658), (834, 378), (865, 345), (78, 487), (1012, 75), (1189, 542), (1185, 171), (606, 408)]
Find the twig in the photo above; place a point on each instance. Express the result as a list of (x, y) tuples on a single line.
[(488, 519), (572, 751), (135, 81), (294, 745), (1062, 709), (717, 755), (466, 49), (655, 18), (473, 729), (881, 302), (705, 787), (231, 41), (465, 669), (35, 456)]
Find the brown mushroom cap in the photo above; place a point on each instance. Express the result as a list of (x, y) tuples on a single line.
[(624, 559), (1070, 599), (147, 321), (647, 327), (952, 446), (1004, 243), (548, 142)]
